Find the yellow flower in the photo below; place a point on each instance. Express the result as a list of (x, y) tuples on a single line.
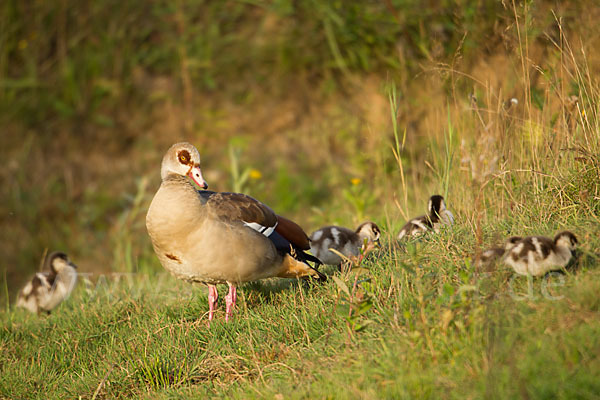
[(22, 45), (255, 174), (355, 181), (583, 113)]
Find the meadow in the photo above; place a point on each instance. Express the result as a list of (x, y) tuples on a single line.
[(331, 113)]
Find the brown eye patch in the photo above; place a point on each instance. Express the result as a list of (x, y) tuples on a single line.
[(184, 157)]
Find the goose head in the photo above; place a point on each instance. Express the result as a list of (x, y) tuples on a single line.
[(59, 262), (183, 159)]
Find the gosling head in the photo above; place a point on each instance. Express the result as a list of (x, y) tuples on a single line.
[(511, 242), (436, 205), (566, 239), (59, 262), (368, 230)]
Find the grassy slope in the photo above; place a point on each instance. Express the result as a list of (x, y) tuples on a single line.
[(437, 329)]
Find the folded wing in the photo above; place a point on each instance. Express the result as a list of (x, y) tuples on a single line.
[(287, 236)]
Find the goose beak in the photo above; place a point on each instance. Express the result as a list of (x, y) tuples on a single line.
[(196, 176), (72, 265)]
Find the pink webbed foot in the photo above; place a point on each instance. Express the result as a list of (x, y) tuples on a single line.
[(213, 295), (230, 301)]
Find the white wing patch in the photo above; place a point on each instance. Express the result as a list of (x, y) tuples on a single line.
[(415, 227), (538, 247), (317, 235), (44, 279), (27, 289), (402, 234), (420, 224), (265, 230), (336, 235)]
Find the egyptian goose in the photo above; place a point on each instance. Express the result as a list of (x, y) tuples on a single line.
[(344, 240), (49, 288), (537, 255), (212, 238), (437, 215), (493, 254)]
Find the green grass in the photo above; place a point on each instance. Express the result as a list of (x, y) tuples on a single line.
[(294, 103), (436, 329)]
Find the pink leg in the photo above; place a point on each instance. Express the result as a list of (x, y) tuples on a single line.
[(213, 295), (230, 301), (360, 258)]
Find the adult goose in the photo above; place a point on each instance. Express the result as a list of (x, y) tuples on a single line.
[(437, 215), (537, 255), (220, 238), (352, 244), (49, 288)]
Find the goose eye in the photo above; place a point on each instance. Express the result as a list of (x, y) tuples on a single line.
[(184, 157)]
